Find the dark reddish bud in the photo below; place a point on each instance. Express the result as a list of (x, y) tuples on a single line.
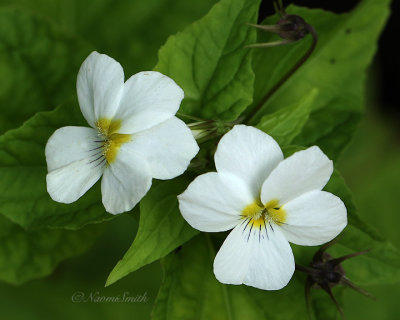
[(325, 272), (293, 27)]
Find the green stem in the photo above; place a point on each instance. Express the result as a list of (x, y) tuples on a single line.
[(249, 118)]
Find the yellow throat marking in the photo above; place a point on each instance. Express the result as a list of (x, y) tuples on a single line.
[(112, 140), (260, 214)]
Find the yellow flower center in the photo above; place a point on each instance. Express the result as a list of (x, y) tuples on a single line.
[(112, 140), (259, 215)]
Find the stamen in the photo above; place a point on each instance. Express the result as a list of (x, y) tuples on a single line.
[(276, 213), (110, 139), (259, 216)]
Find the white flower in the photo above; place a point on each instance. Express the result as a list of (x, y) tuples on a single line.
[(134, 136), (267, 201)]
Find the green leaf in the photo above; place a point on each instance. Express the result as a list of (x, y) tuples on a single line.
[(38, 66), (346, 46), (23, 193), (129, 31), (29, 255), (161, 229), (374, 157), (209, 61), (285, 124), (381, 265), (323, 308), (332, 138), (191, 291)]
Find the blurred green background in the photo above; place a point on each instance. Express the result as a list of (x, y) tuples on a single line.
[(132, 32)]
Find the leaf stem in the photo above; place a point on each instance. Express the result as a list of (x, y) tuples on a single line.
[(299, 63)]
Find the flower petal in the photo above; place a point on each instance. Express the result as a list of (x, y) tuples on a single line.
[(303, 171), (258, 257), (214, 201), (69, 144), (99, 85), (167, 148), (314, 218), (248, 153), (74, 163), (125, 182), (149, 98), (67, 184)]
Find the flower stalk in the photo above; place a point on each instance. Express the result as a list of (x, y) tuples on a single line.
[(205, 130), (291, 28)]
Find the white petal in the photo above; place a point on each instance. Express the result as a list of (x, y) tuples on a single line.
[(314, 218), (74, 163), (149, 98), (67, 184), (303, 171), (99, 86), (248, 153), (69, 144), (261, 258), (214, 201), (167, 148), (125, 182)]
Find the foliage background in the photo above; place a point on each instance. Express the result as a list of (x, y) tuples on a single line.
[(132, 32)]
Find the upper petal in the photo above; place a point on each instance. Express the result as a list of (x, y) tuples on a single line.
[(214, 201), (167, 148), (258, 257), (314, 218), (125, 182), (303, 171), (248, 153), (148, 99), (99, 85)]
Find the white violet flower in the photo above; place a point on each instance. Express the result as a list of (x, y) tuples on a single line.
[(267, 201), (134, 136)]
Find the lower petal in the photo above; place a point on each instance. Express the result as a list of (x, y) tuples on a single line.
[(314, 218), (67, 184), (125, 182), (259, 257)]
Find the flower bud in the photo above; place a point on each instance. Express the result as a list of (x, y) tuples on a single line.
[(325, 272), (292, 27)]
